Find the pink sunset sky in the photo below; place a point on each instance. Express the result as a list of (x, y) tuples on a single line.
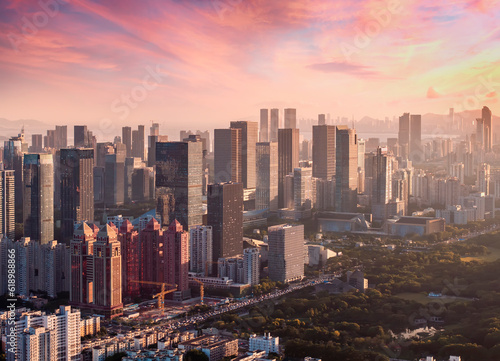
[(201, 63)]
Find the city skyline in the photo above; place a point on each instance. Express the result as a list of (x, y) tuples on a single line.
[(320, 57)]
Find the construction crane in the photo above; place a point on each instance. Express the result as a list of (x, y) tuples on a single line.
[(161, 294), (202, 290)]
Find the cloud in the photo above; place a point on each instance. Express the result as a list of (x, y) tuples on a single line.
[(344, 68)]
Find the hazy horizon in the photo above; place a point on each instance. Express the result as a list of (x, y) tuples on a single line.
[(204, 63)]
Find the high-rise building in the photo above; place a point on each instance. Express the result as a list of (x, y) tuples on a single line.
[(290, 118), (225, 216), (41, 267), (249, 135), (13, 156), (127, 139), (81, 137), (152, 252), (7, 203), (381, 182), (264, 125), (107, 273), (46, 337), (201, 244), (138, 142), (361, 154), (82, 264), (321, 119), (179, 182), (131, 164), (61, 137), (228, 156), (152, 140), (38, 205), (114, 178), (381, 178), (143, 186), (266, 193), (303, 189), (324, 151), (286, 252), (176, 255), (274, 125), (346, 174), (154, 129), (131, 259), (404, 135), (483, 178), (416, 150), (204, 142), (36, 344), (76, 169), (96, 266), (488, 128), (36, 143), (288, 158), (251, 266)]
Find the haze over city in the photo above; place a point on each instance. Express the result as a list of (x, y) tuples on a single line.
[(217, 61)]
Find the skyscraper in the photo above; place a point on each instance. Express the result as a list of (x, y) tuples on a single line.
[(179, 182), (107, 273), (13, 157), (249, 135), (381, 181), (82, 264), (7, 203), (138, 142), (228, 157), (61, 136), (131, 259), (321, 119), (404, 135), (346, 173), (264, 125), (266, 192), (154, 129), (480, 133), (290, 118), (176, 255), (81, 136), (488, 128), (127, 139), (114, 178), (416, 150), (286, 252), (38, 205), (201, 248), (152, 252), (251, 266), (152, 140), (483, 178), (36, 143), (225, 216), (288, 158), (274, 125), (324, 151), (76, 169), (303, 192)]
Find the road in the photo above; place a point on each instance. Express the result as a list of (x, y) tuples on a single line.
[(174, 324)]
